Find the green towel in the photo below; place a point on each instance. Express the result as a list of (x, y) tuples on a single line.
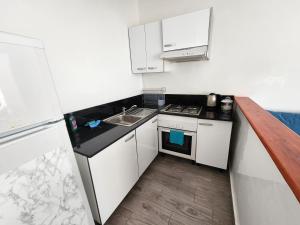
[(176, 137)]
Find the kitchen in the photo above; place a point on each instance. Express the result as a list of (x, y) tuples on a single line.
[(89, 52)]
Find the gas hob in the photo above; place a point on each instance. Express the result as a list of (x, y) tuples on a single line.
[(182, 110)]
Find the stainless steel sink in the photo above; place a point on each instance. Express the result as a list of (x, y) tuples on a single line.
[(125, 120), (130, 118), (142, 112)]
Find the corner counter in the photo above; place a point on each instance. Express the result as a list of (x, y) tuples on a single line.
[(265, 168)]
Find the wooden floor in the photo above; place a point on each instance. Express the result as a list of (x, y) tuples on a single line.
[(173, 191)]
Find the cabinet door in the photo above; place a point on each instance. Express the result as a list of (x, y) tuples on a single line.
[(154, 47), (39, 176), (137, 40), (186, 31), (27, 93), (114, 172), (147, 144), (213, 139)]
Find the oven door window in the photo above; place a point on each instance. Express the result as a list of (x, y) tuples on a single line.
[(186, 148)]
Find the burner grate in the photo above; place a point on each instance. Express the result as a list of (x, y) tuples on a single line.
[(179, 109)]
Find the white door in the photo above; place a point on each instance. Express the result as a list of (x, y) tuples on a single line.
[(137, 40), (213, 139), (154, 47), (114, 172), (186, 31), (27, 93), (147, 144), (39, 176)]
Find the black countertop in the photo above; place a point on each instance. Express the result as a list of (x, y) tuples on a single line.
[(215, 114), (96, 144), (112, 133), (207, 114), (88, 142)]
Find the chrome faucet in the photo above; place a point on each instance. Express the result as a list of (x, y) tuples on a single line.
[(123, 111), (134, 106)]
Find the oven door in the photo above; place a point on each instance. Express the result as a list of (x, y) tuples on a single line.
[(187, 150)]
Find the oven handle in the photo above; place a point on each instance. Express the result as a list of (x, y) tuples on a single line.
[(189, 133), (206, 124), (128, 139), (154, 121)]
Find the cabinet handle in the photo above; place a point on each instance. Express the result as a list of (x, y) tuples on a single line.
[(141, 68), (128, 139), (152, 68), (168, 45), (205, 124), (154, 121)]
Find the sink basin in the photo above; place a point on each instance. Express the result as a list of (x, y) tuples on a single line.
[(131, 117), (125, 120)]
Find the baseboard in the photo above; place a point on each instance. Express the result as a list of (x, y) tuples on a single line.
[(234, 201)]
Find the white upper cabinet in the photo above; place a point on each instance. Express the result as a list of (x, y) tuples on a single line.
[(146, 47), (154, 47), (137, 40), (186, 31)]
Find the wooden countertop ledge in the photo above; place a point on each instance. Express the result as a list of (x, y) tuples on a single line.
[(282, 143)]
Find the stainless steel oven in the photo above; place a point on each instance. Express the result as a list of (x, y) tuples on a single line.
[(189, 127)]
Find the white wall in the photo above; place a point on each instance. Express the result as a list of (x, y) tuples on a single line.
[(254, 51), (86, 43)]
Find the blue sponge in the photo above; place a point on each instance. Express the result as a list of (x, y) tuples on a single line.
[(93, 123)]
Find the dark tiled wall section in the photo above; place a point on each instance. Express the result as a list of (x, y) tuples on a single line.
[(106, 110)]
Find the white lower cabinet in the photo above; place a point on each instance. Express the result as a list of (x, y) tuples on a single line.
[(114, 172), (147, 144), (109, 175), (213, 139)]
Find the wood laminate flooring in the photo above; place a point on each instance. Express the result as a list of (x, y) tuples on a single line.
[(173, 191)]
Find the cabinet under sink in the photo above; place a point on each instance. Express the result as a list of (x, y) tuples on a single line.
[(109, 175)]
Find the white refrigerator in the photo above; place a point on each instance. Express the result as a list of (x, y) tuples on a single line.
[(39, 178)]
